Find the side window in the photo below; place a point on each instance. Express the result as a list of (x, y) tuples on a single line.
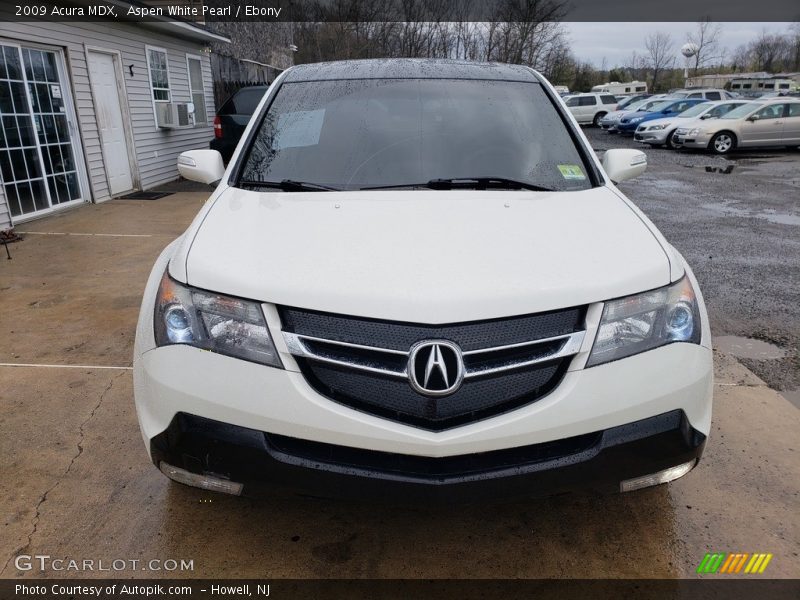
[(771, 112), (195, 68), (245, 101), (696, 95), (159, 74), (609, 100), (794, 109), (713, 96), (573, 101), (588, 101)]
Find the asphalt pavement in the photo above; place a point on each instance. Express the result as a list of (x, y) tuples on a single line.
[(739, 229), (77, 483)]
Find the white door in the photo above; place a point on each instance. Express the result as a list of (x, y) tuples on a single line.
[(109, 121)]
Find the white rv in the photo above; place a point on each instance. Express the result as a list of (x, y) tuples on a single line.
[(620, 89)]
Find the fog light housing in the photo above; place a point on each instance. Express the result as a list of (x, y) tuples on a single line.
[(656, 478), (206, 482)]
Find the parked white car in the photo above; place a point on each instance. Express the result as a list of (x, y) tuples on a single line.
[(660, 132), (705, 93), (415, 279), (590, 108), (773, 122)]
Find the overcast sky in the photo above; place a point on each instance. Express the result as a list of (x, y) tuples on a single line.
[(617, 41)]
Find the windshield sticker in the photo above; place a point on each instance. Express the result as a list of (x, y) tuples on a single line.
[(571, 172), (299, 128)]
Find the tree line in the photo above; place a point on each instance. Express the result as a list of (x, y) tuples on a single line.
[(528, 32)]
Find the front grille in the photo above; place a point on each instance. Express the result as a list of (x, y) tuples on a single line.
[(362, 363)]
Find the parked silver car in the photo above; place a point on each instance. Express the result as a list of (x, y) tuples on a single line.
[(774, 122), (660, 132)]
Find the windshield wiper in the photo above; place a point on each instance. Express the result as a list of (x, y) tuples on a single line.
[(477, 183), (483, 183), (289, 185)]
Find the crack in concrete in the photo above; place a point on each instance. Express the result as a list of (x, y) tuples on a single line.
[(43, 497)]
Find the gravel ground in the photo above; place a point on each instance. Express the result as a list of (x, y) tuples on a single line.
[(740, 232)]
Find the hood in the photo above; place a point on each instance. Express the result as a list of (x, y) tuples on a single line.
[(425, 256), (693, 122), (632, 115), (666, 121)]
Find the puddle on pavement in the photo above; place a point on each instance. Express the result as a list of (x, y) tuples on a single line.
[(742, 347), (770, 215), (792, 396)]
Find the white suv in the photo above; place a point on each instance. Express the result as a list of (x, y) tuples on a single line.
[(591, 108), (416, 280), (705, 93)]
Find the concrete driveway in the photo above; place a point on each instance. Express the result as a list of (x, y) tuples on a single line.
[(77, 483)]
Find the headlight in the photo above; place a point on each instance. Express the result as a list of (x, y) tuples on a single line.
[(695, 131), (230, 326), (659, 127), (636, 119), (645, 321)]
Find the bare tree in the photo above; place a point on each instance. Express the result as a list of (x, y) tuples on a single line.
[(660, 55), (770, 51), (706, 37)]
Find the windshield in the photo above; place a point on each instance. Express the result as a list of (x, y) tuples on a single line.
[(741, 111), (659, 106), (634, 106), (366, 133), (632, 101), (695, 111)]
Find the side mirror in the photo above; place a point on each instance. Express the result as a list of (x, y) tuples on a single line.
[(753, 118), (705, 116), (623, 164), (204, 166)]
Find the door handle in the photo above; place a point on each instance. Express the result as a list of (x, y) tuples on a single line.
[(778, 122)]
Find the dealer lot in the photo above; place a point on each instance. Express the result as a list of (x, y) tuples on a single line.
[(78, 483)]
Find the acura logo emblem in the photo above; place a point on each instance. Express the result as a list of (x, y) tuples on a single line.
[(435, 368)]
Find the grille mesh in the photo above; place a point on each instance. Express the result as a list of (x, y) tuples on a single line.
[(394, 399), (401, 336)]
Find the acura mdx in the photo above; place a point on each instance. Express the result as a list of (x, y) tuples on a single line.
[(415, 279)]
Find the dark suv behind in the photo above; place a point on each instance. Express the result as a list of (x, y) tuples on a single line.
[(233, 117)]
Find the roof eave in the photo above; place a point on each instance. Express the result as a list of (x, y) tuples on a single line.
[(186, 31)]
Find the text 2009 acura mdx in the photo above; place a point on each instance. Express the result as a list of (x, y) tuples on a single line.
[(416, 280)]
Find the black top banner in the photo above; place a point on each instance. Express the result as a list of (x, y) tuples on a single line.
[(210, 11)]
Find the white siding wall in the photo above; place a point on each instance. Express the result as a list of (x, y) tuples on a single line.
[(156, 150)]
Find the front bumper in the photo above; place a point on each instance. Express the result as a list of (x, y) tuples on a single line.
[(266, 463), (183, 379), (652, 137), (697, 141), (627, 127)]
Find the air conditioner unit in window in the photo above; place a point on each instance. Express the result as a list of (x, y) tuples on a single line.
[(173, 115)]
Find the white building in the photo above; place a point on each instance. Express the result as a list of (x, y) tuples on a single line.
[(80, 103)]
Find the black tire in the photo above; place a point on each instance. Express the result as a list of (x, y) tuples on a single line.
[(722, 142), (670, 143), (597, 118)]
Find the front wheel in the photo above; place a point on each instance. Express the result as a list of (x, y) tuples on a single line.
[(722, 143), (597, 118), (670, 142)]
